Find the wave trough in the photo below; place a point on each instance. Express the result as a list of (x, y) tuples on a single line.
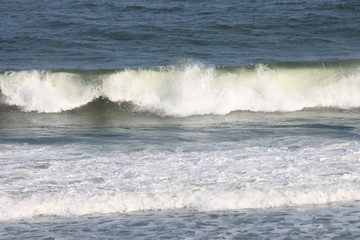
[(193, 89)]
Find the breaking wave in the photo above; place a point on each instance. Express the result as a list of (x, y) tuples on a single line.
[(55, 205), (191, 89)]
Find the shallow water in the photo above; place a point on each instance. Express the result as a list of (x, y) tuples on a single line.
[(327, 222)]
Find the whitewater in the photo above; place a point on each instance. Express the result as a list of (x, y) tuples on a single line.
[(216, 180), (261, 137), (191, 89), (178, 142)]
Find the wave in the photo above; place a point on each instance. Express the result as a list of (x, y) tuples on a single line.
[(189, 89), (202, 200)]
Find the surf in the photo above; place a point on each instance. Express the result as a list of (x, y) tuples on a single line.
[(188, 89), (203, 201)]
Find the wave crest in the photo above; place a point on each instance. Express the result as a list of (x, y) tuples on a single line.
[(193, 89), (203, 200)]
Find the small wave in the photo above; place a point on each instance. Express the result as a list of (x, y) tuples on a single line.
[(191, 89), (202, 200)]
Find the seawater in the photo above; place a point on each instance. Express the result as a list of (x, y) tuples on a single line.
[(198, 176), (179, 120)]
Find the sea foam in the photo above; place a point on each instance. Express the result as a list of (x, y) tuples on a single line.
[(73, 181)]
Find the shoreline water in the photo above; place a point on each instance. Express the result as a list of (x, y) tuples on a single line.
[(337, 221)]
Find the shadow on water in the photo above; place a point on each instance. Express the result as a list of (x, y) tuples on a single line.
[(103, 115)]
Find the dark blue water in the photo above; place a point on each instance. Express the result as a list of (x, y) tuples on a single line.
[(115, 34)]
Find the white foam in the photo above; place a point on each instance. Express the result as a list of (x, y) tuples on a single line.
[(45, 91), (73, 180), (203, 200), (189, 90), (202, 90)]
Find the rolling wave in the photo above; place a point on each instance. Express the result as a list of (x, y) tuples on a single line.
[(190, 89), (206, 201)]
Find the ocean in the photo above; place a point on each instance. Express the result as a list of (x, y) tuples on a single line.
[(179, 119)]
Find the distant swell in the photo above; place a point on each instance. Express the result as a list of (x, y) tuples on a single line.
[(192, 89)]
